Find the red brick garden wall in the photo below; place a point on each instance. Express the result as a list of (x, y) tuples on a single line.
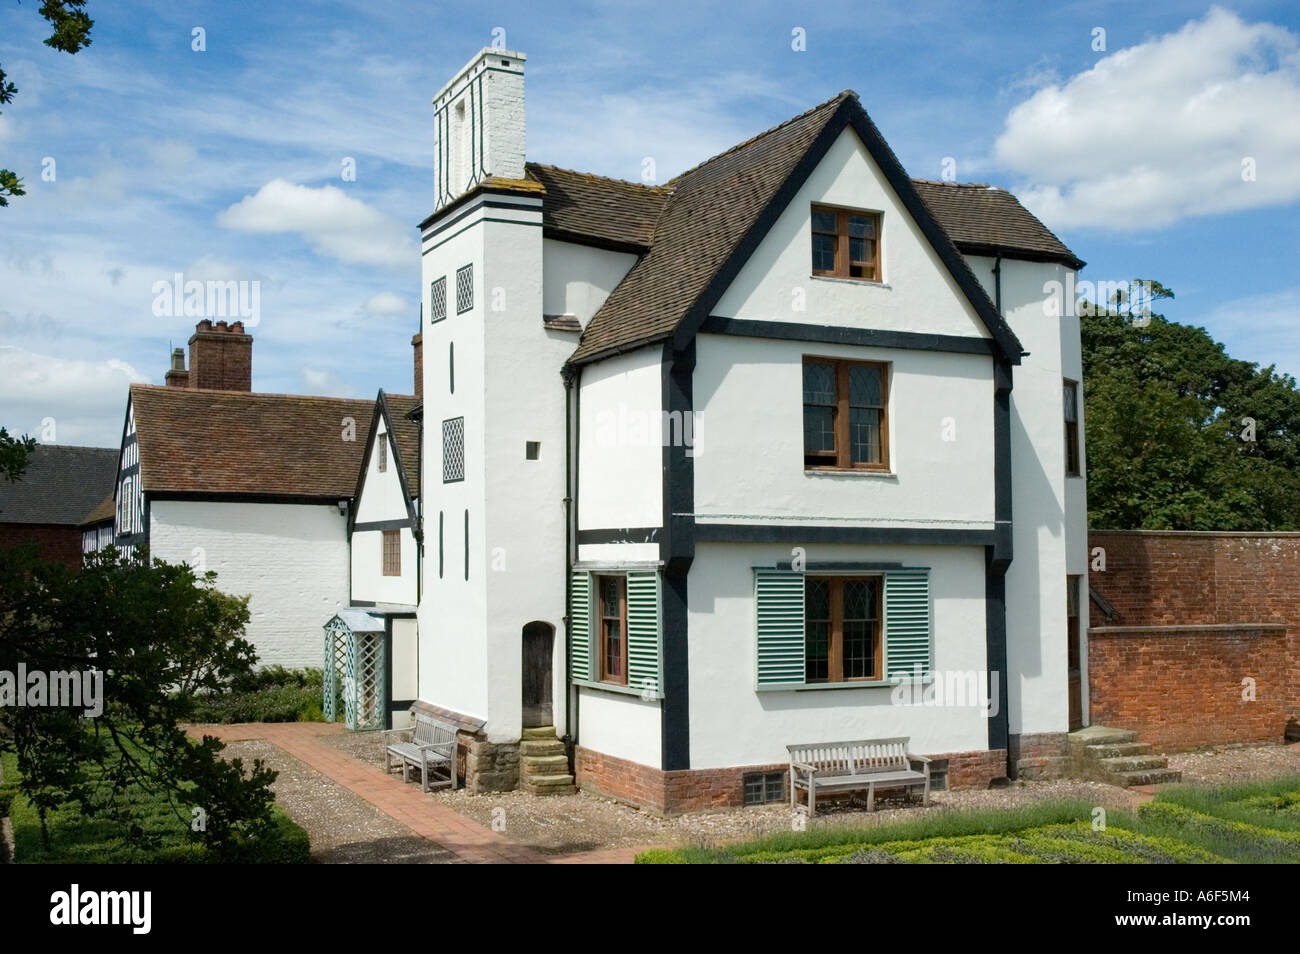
[(1180, 686)]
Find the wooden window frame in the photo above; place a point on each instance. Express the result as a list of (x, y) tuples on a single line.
[(835, 643), (391, 546), (1073, 464), (843, 266), (383, 453), (600, 618), (843, 455)]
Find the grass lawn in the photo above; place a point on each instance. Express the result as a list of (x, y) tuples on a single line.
[(75, 838), (1251, 823)]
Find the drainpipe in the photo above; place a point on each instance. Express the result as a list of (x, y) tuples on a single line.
[(997, 283), (571, 399)]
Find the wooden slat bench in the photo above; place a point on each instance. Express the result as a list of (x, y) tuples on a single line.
[(431, 748), (867, 764)]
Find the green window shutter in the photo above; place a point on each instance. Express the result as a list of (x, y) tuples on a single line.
[(778, 599), (907, 623), (580, 627), (643, 630)]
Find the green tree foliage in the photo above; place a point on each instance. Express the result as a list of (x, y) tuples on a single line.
[(14, 454), (160, 634), (1168, 420), (71, 33)]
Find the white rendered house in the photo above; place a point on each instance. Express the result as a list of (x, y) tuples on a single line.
[(784, 450)]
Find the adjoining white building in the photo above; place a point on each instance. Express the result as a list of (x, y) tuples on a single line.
[(784, 450), (256, 487)]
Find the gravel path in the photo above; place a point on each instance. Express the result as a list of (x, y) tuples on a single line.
[(563, 824), (343, 827), (1238, 763)]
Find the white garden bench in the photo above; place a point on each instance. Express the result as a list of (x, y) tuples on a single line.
[(869, 764), (432, 747)]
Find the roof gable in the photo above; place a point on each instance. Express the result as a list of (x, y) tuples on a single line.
[(403, 436), (718, 213)]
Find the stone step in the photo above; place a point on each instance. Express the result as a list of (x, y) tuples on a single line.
[(1118, 749), (1134, 763), (544, 765), (547, 784), (1146, 777), (542, 747), (540, 732), (1100, 735)]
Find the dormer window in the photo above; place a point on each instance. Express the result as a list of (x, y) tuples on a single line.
[(846, 243)]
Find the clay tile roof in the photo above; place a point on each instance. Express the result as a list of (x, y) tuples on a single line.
[(60, 485), (707, 212), (981, 219), (104, 512), (597, 209), (406, 435), (234, 442)]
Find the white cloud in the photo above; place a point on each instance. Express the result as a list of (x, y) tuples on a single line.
[(334, 223), (1259, 328), (85, 400), (385, 303), (325, 383), (1158, 132)]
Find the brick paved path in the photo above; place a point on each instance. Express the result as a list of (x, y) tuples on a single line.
[(403, 802)]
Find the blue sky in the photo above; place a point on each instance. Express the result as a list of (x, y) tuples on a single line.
[(226, 163)]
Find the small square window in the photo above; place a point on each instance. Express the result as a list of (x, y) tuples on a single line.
[(846, 244), (763, 788), (532, 449)]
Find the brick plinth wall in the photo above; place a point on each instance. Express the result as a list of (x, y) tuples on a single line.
[(1180, 687), (1163, 578), (670, 793)]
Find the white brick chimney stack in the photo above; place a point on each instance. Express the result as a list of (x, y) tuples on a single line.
[(478, 127)]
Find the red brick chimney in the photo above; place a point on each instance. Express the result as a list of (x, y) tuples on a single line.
[(418, 344), (221, 357), (177, 376)]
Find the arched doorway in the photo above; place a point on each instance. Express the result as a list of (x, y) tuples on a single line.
[(538, 647)]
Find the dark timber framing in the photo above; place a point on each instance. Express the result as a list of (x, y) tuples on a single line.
[(997, 557), (833, 334), (677, 552), (412, 520), (804, 533)]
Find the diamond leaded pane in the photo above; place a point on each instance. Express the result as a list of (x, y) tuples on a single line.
[(438, 299), (864, 387), (453, 450), (464, 288)]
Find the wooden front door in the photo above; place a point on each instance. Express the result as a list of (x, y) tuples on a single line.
[(538, 645), (1074, 683)]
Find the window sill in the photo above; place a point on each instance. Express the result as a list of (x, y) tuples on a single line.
[(853, 471), (646, 695), (851, 281), (814, 686)]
